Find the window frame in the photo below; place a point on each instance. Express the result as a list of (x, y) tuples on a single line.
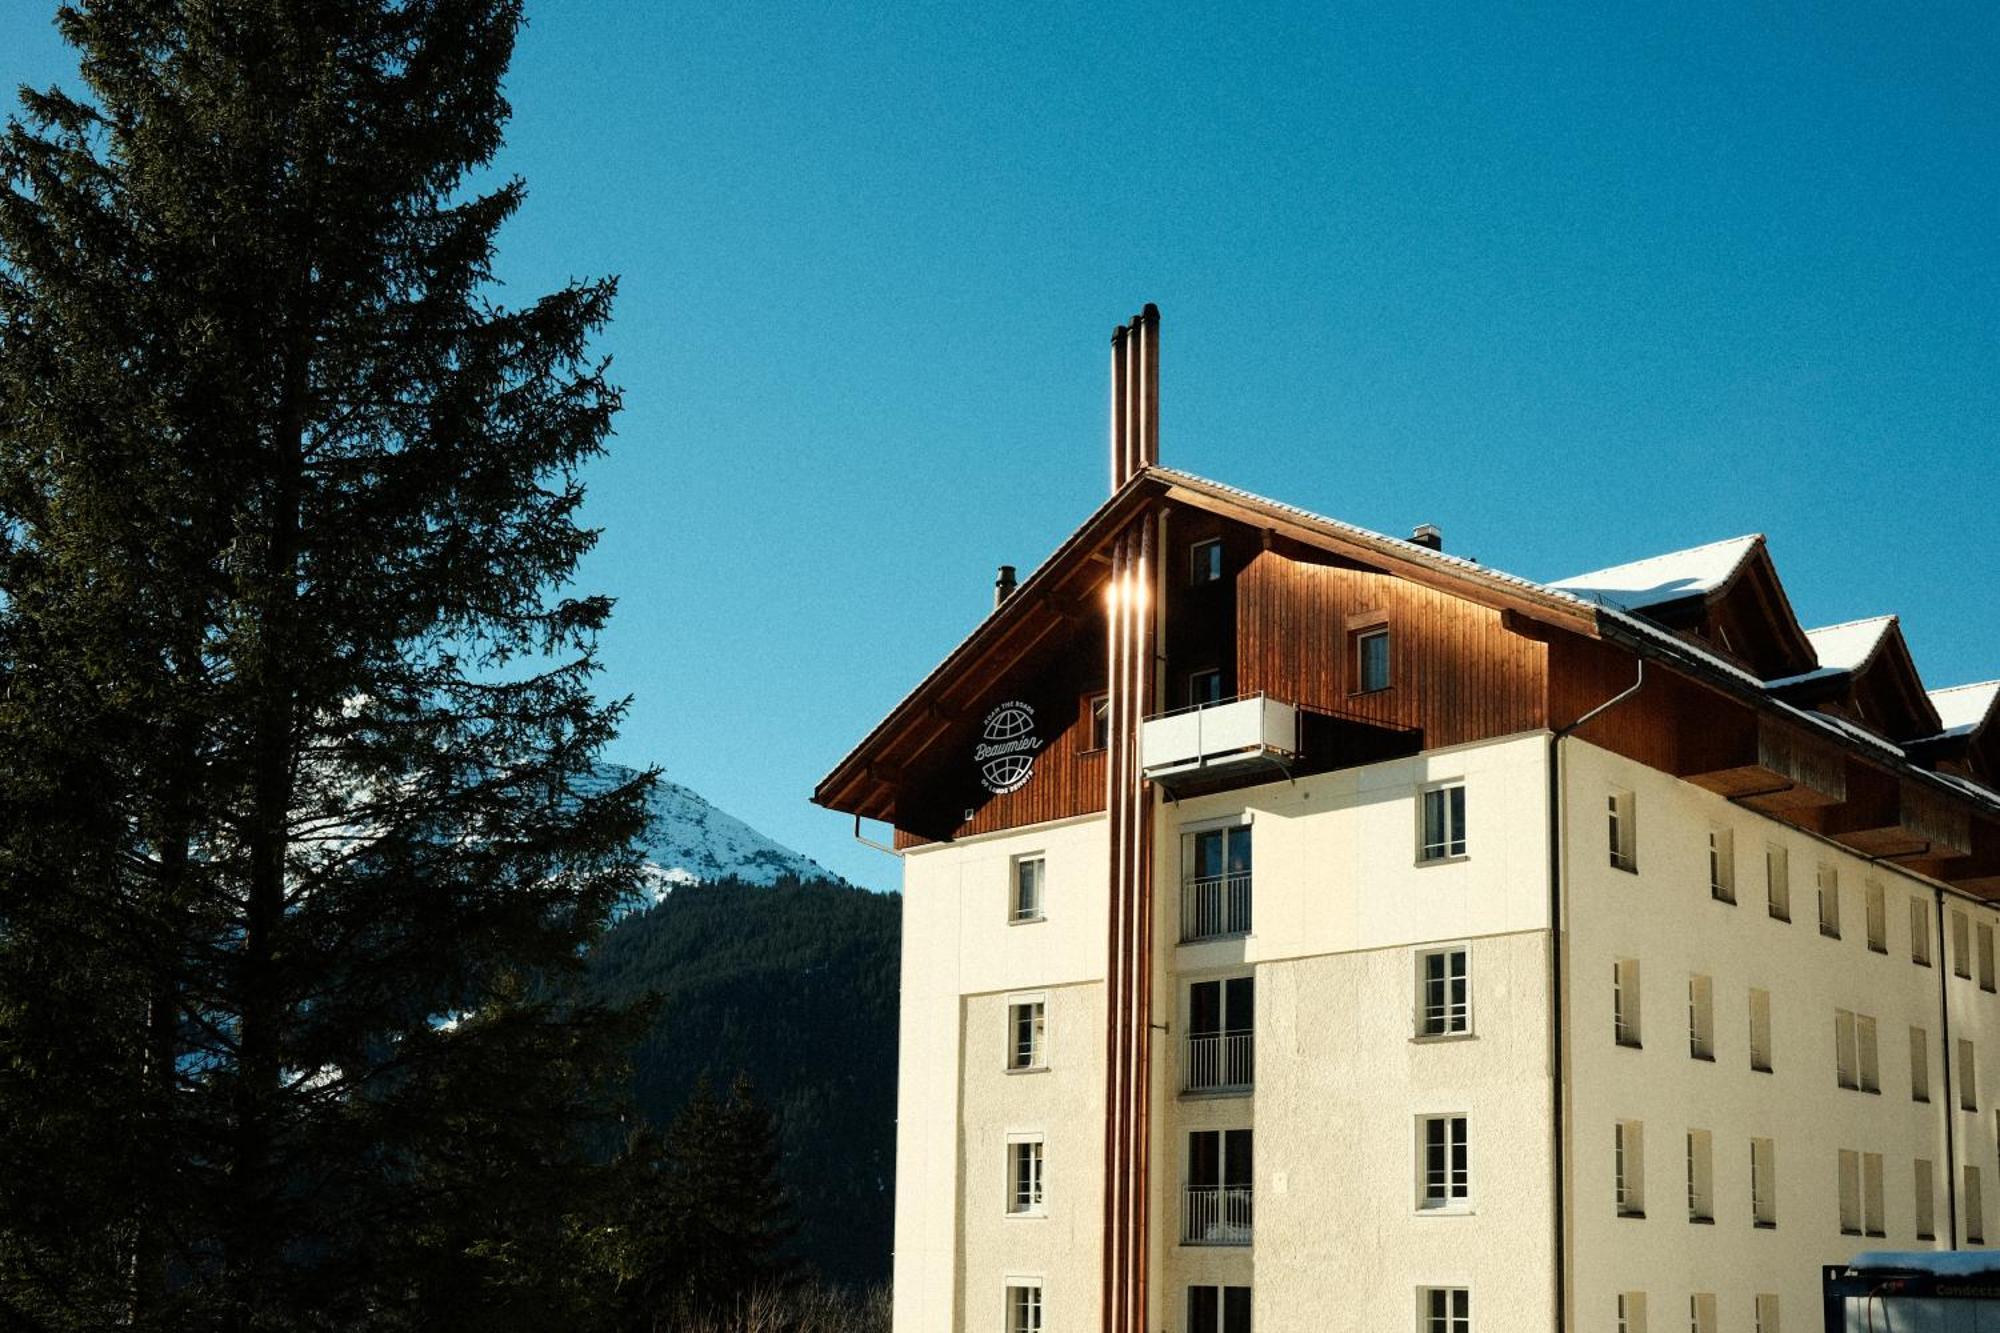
[(1454, 1167), (1359, 637), (1206, 566), (1701, 1177), (1456, 1316), (1627, 1009), (1778, 882), (1701, 1018), (1454, 809), (1877, 907), (1763, 1183), (1826, 881), (1920, 932), (1015, 864), (1038, 1049), (1024, 1283), (1722, 864), (1628, 1168), (1461, 1009), (1027, 1197), (1622, 827)]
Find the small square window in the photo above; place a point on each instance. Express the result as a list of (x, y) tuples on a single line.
[(1445, 1309), (1444, 822), (1205, 562), (1024, 1306), (1371, 659)]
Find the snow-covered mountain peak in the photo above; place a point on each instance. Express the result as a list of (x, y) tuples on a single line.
[(688, 840)]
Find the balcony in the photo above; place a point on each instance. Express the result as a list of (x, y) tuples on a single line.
[(1215, 907), (1215, 1215), (1219, 739), (1218, 1062)]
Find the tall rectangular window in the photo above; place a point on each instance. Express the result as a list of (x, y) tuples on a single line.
[(1631, 1312), (1701, 1018), (1850, 1192), (1926, 1200), (1024, 1175), (1778, 882), (1985, 937), (1878, 918), (1216, 883), (1829, 901), (1968, 1077), (1870, 1066), (1628, 1168), (1920, 1065), (1845, 1060), (1722, 865), (1975, 1208), (1760, 1031), (1767, 1312), (1622, 830), (1625, 1002), (1221, 1040), (1961, 945), (1763, 1183), (1920, 932), (1100, 721), (1444, 822), (1447, 1175), (1029, 874), (1872, 1222), (1445, 1309), (1027, 1027), (1218, 1310), (1700, 1176), (1216, 1204), (1205, 562), (1444, 992), (1371, 659), (1701, 1312), (1024, 1306)]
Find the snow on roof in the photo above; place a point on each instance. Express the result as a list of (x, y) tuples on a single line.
[(1848, 646), (1963, 707), (1664, 578)]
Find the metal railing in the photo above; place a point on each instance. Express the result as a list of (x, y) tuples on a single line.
[(1215, 1215), (1219, 1062), (1214, 906)]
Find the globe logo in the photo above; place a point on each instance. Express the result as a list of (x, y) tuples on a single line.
[(1006, 752)]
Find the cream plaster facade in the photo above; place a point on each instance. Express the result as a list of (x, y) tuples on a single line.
[(1342, 908)]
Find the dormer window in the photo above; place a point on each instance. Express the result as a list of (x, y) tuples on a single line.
[(1205, 562)]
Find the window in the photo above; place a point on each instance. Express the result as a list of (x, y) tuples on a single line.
[(1760, 1031), (1445, 1309), (1444, 822), (1625, 1002), (1871, 1194), (1850, 1193), (1870, 1067), (1447, 1179), (1985, 936), (1701, 1018), (1920, 1065), (1205, 562), (1975, 1208), (1855, 1060), (1701, 1312), (1099, 706), (1024, 1305), (1221, 1042), (1215, 895), (1829, 901), (1623, 831), (1218, 1310), (1961, 946), (1024, 1175), (1444, 993), (1722, 865), (1920, 932), (1968, 1078), (1631, 1312), (1767, 1312), (1700, 1176), (1778, 882), (1926, 1201), (1763, 1183), (1027, 1024), (1878, 919), (1216, 1203), (1371, 659), (1029, 874), (1205, 687), (1628, 1168)]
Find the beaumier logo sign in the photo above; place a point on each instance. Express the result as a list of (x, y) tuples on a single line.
[(1006, 750)]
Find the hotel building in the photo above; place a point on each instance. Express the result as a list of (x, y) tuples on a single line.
[(1306, 928)]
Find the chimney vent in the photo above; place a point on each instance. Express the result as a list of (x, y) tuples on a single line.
[(1428, 534), (1003, 587)]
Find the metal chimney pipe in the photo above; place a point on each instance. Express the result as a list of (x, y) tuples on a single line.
[(1428, 534), (1119, 406), (1003, 587)]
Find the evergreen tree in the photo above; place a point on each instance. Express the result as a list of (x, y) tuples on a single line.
[(731, 1216), (296, 846)]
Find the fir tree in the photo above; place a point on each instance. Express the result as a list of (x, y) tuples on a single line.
[(731, 1214), (296, 841)]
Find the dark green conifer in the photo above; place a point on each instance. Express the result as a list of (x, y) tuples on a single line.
[(297, 840)]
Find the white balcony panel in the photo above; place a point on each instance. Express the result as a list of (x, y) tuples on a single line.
[(1243, 731)]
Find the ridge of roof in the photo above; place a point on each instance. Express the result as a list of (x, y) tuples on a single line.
[(1688, 572), (1964, 709)]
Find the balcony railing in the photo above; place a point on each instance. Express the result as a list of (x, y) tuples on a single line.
[(1248, 732), (1215, 1215), (1214, 906), (1219, 1062)]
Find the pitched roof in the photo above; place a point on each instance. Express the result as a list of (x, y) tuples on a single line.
[(1964, 708), (1637, 584), (1852, 644)]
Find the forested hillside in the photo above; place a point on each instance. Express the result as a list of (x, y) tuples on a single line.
[(794, 984)]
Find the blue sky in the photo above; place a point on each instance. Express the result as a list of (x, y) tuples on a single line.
[(1578, 286)]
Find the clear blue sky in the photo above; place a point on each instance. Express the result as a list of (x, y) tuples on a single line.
[(1577, 286)]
